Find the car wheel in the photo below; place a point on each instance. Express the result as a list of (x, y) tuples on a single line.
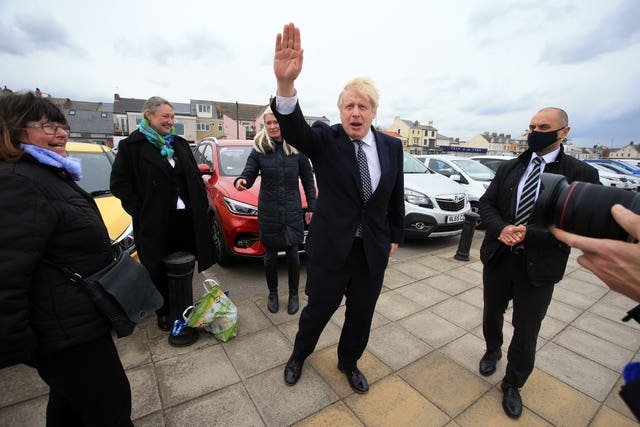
[(224, 257), (475, 208)]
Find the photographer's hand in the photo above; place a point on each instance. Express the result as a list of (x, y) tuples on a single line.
[(615, 262), (512, 234)]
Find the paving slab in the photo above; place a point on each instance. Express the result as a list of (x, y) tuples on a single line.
[(392, 402), (395, 346)]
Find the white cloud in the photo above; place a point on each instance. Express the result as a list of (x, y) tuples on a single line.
[(468, 65)]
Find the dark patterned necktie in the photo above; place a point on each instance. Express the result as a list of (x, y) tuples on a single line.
[(363, 166), (528, 196), (365, 179)]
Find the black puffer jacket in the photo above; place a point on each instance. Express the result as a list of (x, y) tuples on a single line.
[(279, 206), (46, 215)]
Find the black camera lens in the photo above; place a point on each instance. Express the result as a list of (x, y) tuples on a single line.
[(581, 207)]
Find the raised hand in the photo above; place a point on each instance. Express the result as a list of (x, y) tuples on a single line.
[(287, 60)]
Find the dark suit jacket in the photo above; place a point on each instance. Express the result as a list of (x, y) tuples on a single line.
[(140, 178), (340, 208), (546, 256)]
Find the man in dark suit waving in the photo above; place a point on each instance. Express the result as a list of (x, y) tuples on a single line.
[(359, 217)]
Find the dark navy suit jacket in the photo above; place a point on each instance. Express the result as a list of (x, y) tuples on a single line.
[(340, 207)]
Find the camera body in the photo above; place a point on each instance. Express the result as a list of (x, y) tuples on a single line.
[(581, 207)]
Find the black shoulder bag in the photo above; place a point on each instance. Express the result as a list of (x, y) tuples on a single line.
[(123, 291)]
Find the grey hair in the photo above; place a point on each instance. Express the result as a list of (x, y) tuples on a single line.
[(152, 104)]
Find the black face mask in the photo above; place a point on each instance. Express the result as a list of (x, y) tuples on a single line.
[(538, 141)]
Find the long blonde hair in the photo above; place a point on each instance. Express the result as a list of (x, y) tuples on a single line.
[(263, 144)]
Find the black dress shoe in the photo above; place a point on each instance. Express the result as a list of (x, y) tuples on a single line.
[(185, 338), (511, 401), (488, 362), (357, 380), (164, 324), (292, 371), (272, 303), (292, 308)]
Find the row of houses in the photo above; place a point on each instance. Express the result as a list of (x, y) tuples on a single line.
[(108, 122), (418, 138)]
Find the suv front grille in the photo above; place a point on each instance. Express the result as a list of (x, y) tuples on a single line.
[(451, 203)]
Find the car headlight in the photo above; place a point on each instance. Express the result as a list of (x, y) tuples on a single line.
[(240, 208), (416, 198), (125, 240)]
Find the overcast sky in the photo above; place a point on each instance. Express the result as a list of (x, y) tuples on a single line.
[(467, 65)]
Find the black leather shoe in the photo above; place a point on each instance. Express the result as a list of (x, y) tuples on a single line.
[(511, 401), (272, 303), (292, 371), (292, 308), (488, 362), (164, 324), (357, 380), (185, 338)]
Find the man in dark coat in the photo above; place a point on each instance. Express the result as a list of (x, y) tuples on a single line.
[(521, 263), (359, 217), (159, 185)]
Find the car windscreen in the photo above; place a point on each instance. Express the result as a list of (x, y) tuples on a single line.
[(475, 170), (96, 171), (413, 165), (233, 159)]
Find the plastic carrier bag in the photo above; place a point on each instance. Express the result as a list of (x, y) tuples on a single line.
[(213, 311)]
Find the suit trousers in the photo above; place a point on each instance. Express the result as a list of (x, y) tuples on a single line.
[(505, 278), (87, 386), (325, 289)]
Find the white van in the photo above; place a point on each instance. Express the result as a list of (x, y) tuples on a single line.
[(473, 176)]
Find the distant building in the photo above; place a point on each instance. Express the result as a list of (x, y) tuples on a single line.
[(629, 151), (89, 121), (416, 138)]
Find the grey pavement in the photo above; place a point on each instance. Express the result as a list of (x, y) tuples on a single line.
[(421, 361)]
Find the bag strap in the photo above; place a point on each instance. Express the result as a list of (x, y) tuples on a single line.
[(71, 275)]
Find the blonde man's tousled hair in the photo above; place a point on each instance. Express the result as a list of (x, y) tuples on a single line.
[(363, 86)]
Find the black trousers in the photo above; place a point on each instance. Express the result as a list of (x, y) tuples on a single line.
[(325, 290), (178, 238), (293, 268), (505, 279), (87, 386)]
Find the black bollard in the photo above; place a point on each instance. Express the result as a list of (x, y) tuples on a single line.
[(469, 226), (179, 267)]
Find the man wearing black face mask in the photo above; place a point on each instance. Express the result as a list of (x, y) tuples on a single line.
[(522, 264)]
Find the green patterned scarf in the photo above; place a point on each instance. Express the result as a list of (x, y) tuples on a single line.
[(162, 143)]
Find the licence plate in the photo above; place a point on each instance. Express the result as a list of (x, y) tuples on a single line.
[(455, 218)]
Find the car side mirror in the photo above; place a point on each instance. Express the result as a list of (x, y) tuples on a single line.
[(458, 178), (204, 169)]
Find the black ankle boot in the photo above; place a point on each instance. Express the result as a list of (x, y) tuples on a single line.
[(292, 308), (272, 302)]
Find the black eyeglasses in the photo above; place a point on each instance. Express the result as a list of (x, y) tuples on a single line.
[(49, 128)]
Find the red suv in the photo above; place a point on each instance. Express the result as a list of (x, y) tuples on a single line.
[(233, 214)]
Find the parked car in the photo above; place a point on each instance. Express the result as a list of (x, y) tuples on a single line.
[(434, 205), (618, 163), (474, 177), (96, 161), (611, 176), (233, 214), (492, 162)]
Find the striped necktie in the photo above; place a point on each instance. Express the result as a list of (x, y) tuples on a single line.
[(528, 196)]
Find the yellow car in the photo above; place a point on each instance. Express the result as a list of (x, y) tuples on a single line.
[(96, 171)]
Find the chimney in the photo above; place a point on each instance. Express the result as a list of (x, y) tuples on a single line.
[(116, 97)]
